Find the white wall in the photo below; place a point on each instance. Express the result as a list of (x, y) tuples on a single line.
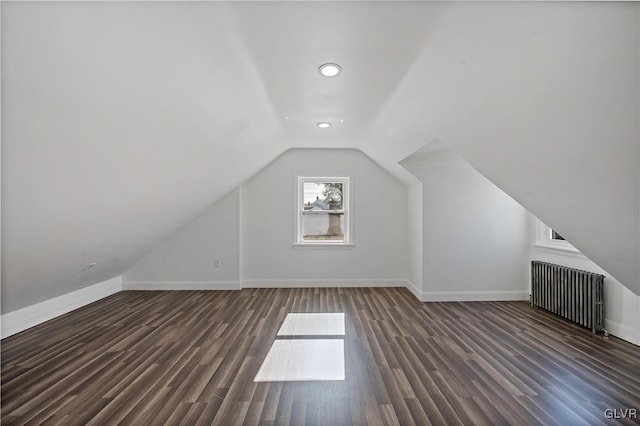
[(475, 237), (638, 28), (414, 222), (622, 306), (120, 123), (186, 259), (637, 327), (379, 224), (542, 99), (565, 145), (251, 231)]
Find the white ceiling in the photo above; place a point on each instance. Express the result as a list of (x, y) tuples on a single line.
[(123, 121)]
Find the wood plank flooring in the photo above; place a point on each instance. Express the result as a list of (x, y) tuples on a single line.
[(189, 357)]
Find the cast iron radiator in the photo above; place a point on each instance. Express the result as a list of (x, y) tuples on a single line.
[(571, 293)]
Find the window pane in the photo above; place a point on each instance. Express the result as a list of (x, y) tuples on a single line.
[(322, 210), (322, 196), (323, 227)]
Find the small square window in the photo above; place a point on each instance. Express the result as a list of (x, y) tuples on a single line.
[(322, 210)]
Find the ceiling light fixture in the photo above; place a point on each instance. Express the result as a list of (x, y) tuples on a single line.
[(330, 70), (323, 124)]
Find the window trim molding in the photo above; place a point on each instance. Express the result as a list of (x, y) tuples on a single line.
[(545, 242), (347, 182)]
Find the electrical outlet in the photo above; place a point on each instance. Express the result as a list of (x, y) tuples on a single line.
[(216, 263)]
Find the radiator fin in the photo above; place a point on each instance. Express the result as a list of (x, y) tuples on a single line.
[(570, 293)]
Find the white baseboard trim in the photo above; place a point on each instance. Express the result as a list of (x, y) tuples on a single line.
[(473, 296), (414, 290), (181, 285), (622, 331), (22, 319), (305, 282)]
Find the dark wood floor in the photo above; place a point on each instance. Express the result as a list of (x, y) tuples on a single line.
[(190, 357)]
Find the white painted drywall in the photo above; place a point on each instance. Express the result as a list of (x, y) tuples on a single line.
[(121, 123), (637, 309), (187, 258), (379, 223), (414, 223), (475, 237), (542, 99), (622, 306)]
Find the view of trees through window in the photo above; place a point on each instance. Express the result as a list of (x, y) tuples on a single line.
[(323, 211)]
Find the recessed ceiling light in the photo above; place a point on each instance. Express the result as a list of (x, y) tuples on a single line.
[(323, 124), (330, 70)]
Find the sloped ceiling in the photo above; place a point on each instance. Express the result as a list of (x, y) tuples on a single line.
[(123, 121)]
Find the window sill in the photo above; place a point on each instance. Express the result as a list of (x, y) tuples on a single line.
[(329, 246), (559, 249)]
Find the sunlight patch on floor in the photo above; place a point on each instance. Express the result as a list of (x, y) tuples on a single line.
[(300, 360), (307, 359), (316, 324)]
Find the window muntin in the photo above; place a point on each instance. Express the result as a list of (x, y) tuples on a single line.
[(323, 210)]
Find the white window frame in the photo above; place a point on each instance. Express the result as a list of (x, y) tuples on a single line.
[(545, 240), (346, 205)]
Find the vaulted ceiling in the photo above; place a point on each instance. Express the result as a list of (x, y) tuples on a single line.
[(122, 121)]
